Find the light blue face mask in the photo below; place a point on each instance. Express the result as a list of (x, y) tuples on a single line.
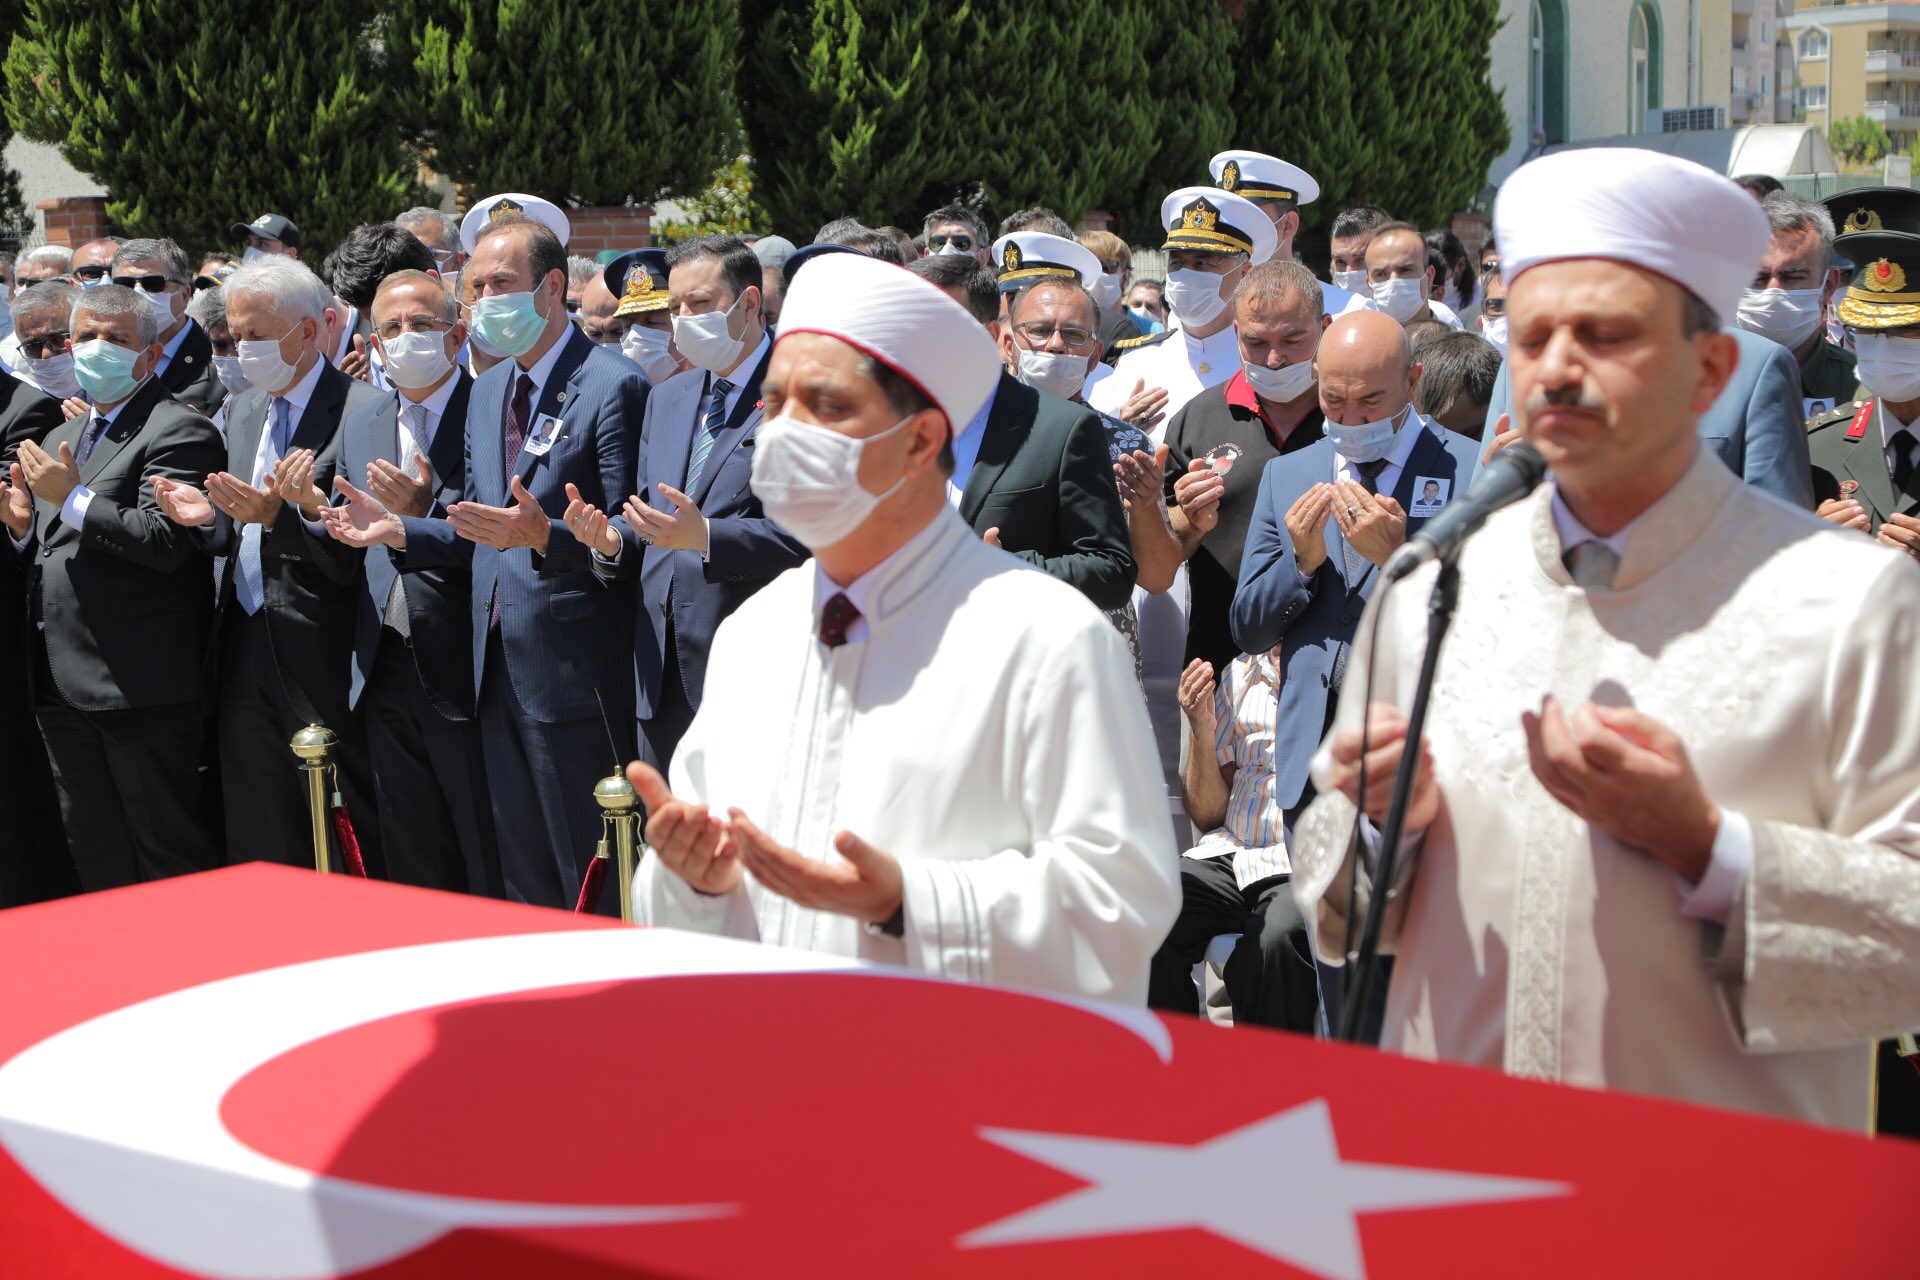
[(105, 371), (509, 322), (1366, 441)]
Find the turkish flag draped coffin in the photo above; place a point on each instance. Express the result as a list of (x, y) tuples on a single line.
[(265, 1073)]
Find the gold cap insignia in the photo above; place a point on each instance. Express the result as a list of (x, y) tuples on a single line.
[(1230, 176), (1864, 219), (502, 209), (639, 285), (1884, 277), (1010, 259), (1199, 216)]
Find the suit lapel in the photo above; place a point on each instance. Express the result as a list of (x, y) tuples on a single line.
[(555, 396), (999, 441), (322, 414), (447, 453), (1429, 458), (125, 426), (1866, 462), (189, 359), (746, 414)]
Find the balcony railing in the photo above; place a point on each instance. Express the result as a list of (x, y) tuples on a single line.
[(1892, 61)]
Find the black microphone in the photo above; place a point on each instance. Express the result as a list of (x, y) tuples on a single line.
[(1510, 476)]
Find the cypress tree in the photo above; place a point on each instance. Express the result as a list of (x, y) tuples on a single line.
[(198, 113), (1192, 74), (593, 102)]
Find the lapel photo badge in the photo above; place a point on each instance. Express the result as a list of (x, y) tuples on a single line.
[(546, 434), (1221, 457), (1429, 495)]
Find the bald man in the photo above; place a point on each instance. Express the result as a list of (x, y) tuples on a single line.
[(597, 319), (1327, 517)]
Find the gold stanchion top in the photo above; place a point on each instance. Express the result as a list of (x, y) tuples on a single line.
[(314, 742), (615, 793)]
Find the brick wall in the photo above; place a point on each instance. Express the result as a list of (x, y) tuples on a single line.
[(610, 227), (74, 220)]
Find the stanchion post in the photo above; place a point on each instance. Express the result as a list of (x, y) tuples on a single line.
[(314, 745), (620, 803)]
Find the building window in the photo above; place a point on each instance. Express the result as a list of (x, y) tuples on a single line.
[(1813, 43), (1643, 65), (1814, 97), (1547, 71)]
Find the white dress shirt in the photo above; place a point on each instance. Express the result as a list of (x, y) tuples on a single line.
[(966, 449), (172, 346)]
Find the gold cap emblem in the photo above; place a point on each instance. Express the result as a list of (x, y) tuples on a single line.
[(1199, 216), (1230, 176), (1863, 219), (639, 285), (1010, 258), (1884, 277), (502, 209)]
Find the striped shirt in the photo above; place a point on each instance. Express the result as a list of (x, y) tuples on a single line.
[(1246, 714)]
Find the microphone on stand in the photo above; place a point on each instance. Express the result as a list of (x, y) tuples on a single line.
[(1509, 476)]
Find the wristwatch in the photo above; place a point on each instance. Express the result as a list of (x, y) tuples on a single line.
[(894, 926)]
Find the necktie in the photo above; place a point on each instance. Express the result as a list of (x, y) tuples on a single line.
[(515, 434), (248, 586), (703, 442), (1592, 564), (413, 420), (90, 438), (1902, 444), (836, 620), (1370, 473)]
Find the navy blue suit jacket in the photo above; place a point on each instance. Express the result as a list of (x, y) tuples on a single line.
[(1313, 619), (745, 550), (438, 600), (1756, 426), (566, 634)]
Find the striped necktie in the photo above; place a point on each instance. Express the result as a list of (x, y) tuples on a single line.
[(249, 585), (710, 427)]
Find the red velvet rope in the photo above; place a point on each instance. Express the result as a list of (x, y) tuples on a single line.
[(349, 843), (590, 886)]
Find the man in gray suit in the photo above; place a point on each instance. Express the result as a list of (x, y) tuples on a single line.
[(1755, 426)]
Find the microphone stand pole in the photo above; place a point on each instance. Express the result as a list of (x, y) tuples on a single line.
[(1365, 962)]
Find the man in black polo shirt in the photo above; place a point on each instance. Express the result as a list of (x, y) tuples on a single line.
[(1220, 441)]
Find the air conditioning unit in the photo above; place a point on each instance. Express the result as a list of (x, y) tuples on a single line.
[(1686, 119)]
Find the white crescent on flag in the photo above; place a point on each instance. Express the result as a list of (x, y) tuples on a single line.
[(119, 1117)]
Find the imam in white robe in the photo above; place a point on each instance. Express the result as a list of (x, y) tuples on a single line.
[(1785, 653), (984, 727)]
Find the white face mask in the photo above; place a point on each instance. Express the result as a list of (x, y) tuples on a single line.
[(648, 349), (1367, 442), (162, 305), (1106, 291), (1281, 385), (1195, 296), (705, 341), (228, 367), (1056, 373), (52, 374), (415, 360), (1494, 330), (264, 366), (1353, 281), (1788, 316), (1403, 299), (1450, 298), (1889, 367), (253, 254), (949, 247), (808, 479)]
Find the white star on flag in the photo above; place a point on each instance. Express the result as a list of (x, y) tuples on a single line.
[(1277, 1186)]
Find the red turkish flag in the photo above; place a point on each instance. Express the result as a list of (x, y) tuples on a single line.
[(803, 1123)]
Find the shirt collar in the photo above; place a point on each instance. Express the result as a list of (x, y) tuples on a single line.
[(436, 404), (543, 368), (300, 392), (861, 590), (743, 371), (1405, 438), (1573, 533), (173, 344), (1889, 424)]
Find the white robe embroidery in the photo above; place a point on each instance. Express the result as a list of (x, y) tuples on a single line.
[(1785, 652), (988, 732)]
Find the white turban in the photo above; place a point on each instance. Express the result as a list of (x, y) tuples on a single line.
[(1646, 208), (906, 323)]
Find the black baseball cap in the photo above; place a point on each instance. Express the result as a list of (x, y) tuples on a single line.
[(269, 226)]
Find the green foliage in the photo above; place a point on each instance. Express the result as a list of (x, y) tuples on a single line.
[(1859, 141), (1385, 102), (15, 218), (592, 102), (725, 207), (197, 113)]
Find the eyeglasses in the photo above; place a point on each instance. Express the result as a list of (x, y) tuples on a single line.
[(91, 273), (1039, 335), (152, 284), (442, 257), (40, 348), (1493, 306), (419, 324), (962, 243)]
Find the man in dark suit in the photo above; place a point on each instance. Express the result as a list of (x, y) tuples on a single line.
[(287, 604), (412, 671), (692, 530), (1755, 425), (1032, 472), (121, 604), (25, 414), (158, 268), (552, 645)]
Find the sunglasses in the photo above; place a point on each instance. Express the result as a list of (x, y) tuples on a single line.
[(41, 348), (152, 284), (962, 243), (90, 273)]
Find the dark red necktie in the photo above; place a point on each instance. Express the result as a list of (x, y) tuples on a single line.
[(515, 435), (836, 620)]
